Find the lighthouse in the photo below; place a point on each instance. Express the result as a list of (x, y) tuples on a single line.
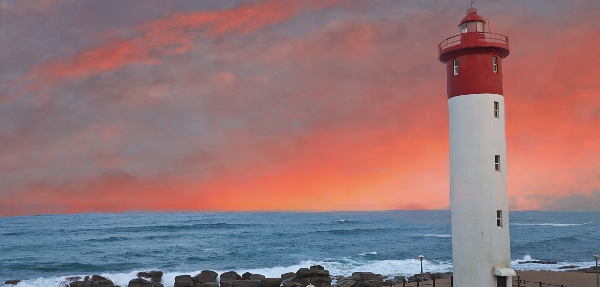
[(478, 201)]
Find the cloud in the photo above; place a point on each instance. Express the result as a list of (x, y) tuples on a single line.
[(577, 201)]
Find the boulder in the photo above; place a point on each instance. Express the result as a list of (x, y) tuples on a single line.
[(246, 283), (287, 276), (153, 275), (11, 282), (346, 283), (227, 278), (183, 281), (399, 279), (271, 282), (207, 276), (569, 267), (291, 284), (96, 281), (209, 284), (306, 273), (139, 282)]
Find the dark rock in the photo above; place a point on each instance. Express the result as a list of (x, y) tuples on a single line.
[(568, 267), (317, 267), (153, 275), (227, 278), (537, 262), (11, 282), (399, 279), (288, 275), (98, 278), (207, 276), (209, 284), (246, 276), (271, 282), (183, 281), (257, 277), (291, 284), (246, 283), (346, 283), (139, 282), (366, 276), (306, 273), (417, 277)]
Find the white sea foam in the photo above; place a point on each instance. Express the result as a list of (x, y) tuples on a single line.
[(551, 224), (367, 253), (437, 235), (344, 267)]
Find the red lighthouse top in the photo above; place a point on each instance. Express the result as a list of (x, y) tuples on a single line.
[(473, 38), (473, 57)]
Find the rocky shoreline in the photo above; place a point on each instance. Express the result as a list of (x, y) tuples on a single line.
[(315, 275)]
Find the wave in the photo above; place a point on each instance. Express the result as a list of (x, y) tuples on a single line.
[(108, 239), (367, 253), (552, 224), (436, 235), (337, 267)]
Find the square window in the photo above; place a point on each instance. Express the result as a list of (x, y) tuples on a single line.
[(455, 66), (497, 163), (496, 110), (495, 64), (499, 218)]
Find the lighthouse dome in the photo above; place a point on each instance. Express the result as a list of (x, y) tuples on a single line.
[(472, 22)]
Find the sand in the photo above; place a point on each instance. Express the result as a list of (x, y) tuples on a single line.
[(548, 278)]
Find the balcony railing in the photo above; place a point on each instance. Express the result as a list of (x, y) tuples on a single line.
[(483, 36)]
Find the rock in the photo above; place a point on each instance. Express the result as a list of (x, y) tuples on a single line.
[(346, 283), (227, 278), (246, 283), (98, 278), (183, 281), (306, 273), (153, 275), (417, 277), (568, 267), (209, 284), (257, 277), (207, 276), (399, 279), (288, 275), (366, 276), (11, 282), (537, 262), (139, 282), (291, 284), (317, 267), (271, 282)]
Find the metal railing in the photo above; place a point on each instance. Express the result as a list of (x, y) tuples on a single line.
[(486, 36), (517, 282)]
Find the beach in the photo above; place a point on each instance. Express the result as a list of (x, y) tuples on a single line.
[(532, 279)]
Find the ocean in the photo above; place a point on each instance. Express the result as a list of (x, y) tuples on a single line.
[(43, 250)]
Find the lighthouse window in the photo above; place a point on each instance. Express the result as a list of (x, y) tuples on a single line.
[(480, 27), (463, 28), (495, 64), (499, 218), (497, 163), (455, 66), (496, 110)]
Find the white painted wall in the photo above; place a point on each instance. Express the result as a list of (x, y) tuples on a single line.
[(477, 190)]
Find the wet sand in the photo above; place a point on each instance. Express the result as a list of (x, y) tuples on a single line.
[(548, 278)]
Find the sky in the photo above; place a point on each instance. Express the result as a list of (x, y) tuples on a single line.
[(308, 105)]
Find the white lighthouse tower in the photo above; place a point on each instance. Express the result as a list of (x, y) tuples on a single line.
[(479, 207)]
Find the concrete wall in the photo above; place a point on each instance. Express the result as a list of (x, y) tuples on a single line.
[(477, 190)]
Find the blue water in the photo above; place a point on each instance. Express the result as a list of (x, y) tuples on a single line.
[(42, 250)]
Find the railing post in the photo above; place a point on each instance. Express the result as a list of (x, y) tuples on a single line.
[(452, 281), (518, 281), (404, 283), (540, 283), (433, 281), (417, 283)]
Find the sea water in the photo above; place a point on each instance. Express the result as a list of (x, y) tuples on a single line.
[(43, 250)]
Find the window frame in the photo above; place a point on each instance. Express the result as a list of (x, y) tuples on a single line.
[(499, 218), (495, 64), (497, 162), (455, 65), (496, 109)]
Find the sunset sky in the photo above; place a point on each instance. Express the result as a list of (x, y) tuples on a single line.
[(112, 106)]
